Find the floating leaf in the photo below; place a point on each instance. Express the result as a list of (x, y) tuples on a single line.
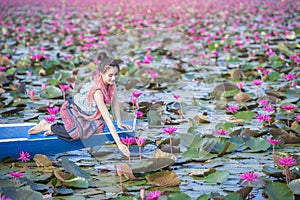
[(153, 117), (20, 194), (72, 168), (273, 76), (151, 165), (216, 177), (234, 196), (127, 171), (179, 195), (42, 160), (163, 179), (125, 198), (160, 154), (258, 144), (198, 155), (204, 197), (245, 115), (271, 171), (295, 186), (201, 172), (52, 92), (279, 191), (77, 182)]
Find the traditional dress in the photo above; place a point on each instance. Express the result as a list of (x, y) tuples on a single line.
[(80, 115)]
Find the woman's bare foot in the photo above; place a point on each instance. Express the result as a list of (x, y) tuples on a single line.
[(48, 133), (40, 127)]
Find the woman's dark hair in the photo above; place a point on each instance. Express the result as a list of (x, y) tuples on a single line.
[(105, 62)]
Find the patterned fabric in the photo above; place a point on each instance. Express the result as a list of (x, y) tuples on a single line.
[(81, 117)]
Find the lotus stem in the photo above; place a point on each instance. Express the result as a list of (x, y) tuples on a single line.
[(171, 145), (287, 174), (140, 152)]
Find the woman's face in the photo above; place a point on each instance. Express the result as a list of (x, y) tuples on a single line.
[(110, 76)]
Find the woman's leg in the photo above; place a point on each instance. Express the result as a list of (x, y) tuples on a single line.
[(40, 127)]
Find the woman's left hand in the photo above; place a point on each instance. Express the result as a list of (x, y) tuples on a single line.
[(122, 126)]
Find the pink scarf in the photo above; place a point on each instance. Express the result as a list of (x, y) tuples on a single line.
[(108, 95)]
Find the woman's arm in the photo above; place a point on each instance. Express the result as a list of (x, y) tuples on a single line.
[(98, 96), (117, 114)]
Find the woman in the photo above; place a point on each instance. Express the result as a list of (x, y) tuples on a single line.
[(83, 116)]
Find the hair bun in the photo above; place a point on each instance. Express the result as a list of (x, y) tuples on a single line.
[(102, 56)]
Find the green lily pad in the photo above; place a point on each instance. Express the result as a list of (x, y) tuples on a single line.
[(295, 186), (271, 171), (273, 76), (153, 117), (126, 198), (258, 144), (77, 182), (52, 92), (279, 191), (234, 196), (204, 197), (64, 191), (72, 168), (179, 195), (245, 115), (198, 155), (216, 177), (20, 194), (163, 179), (151, 165)]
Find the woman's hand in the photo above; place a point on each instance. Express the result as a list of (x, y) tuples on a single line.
[(122, 126), (124, 149)]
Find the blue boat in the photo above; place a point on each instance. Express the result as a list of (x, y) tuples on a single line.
[(14, 138)]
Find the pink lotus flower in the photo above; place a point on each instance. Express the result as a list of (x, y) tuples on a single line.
[(288, 107), (5, 198), (16, 175), (297, 118), (128, 141), (289, 77), (2, 68), (232, 109), (64, 87), (263, 102), (273, 142), (268, 108), (152, 73), (249, 177), (31, 93), (240, 85), (44, 85), (263, 117), (24, 156), (137, 94), (287, 161), (153, 195), (140, 142), (257, 82), (139, 114), (266, 72), (53, 111), (170, 130), (270, 52), (221, 131), (137, 63), (50, 119), (176, 96)]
